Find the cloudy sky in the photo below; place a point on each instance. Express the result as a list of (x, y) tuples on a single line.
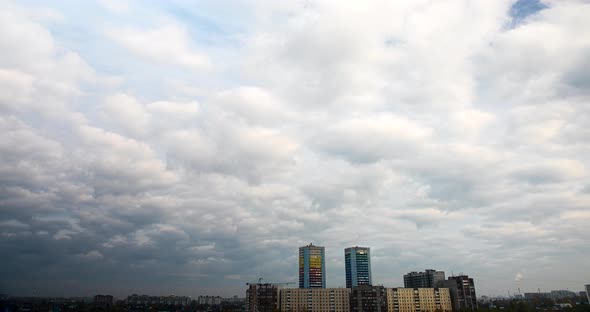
[(189, 147)]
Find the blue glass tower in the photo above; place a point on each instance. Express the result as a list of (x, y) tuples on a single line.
[(357, 261)]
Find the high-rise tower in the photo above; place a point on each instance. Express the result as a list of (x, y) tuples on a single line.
[(462, 290), (357, 261), (312, 267)]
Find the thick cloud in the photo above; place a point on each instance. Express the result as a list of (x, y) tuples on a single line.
[(167, 44), (144, 150)]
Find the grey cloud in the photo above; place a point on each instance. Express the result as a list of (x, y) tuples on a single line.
[(577, 76), (375, 138), (464, 140)]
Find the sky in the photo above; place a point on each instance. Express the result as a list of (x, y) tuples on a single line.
[(189, 147)]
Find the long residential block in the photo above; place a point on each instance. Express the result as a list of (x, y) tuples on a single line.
[(315, 300), (418, 299)]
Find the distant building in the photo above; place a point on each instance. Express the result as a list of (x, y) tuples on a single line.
[(485, 299), (175, 300), (427, 279), (262, 298), (418, 299), (562, 294), (312, 267), (587, 292), (537, 296), (105, 301), (462, 290), (368, 299), (144, 300), (210, 300), (583, 296), (315, 300), (234, 300), (357, 261)]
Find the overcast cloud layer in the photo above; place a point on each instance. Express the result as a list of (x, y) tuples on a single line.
[(178, 147)]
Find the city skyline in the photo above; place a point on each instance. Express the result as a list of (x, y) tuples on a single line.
[(191, 147)]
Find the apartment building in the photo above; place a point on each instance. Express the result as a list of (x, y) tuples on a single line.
[(315, 299), (418, 299), (312, 267), (427, 279), (463, 295), (367, 298), (262, 298)]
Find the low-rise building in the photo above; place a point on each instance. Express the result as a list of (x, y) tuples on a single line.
[(418, 299), (315, 300)]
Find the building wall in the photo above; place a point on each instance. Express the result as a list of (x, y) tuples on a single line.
[(262, 298), (210, 300), (104, 300), (315, 300), (451, 285), (427, 279), (465, 292), (357, 261), (146, 300), (418, 299), (368, 299), (234, 299), (312, 267), (562, 294)]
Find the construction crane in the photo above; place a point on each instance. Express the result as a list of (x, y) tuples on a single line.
[(259, 282)]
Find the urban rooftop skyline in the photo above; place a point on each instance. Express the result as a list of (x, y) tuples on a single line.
[(191, 147)]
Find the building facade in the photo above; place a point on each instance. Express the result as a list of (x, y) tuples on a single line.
[(587, 288), (427, 279), (144, 300), (367, 298), (315, 300), (233, 300), (418, 299), (105, 301), (312, 267), (462, 290), (210, 300), (562, 294), (262, 298), (357, 261)]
